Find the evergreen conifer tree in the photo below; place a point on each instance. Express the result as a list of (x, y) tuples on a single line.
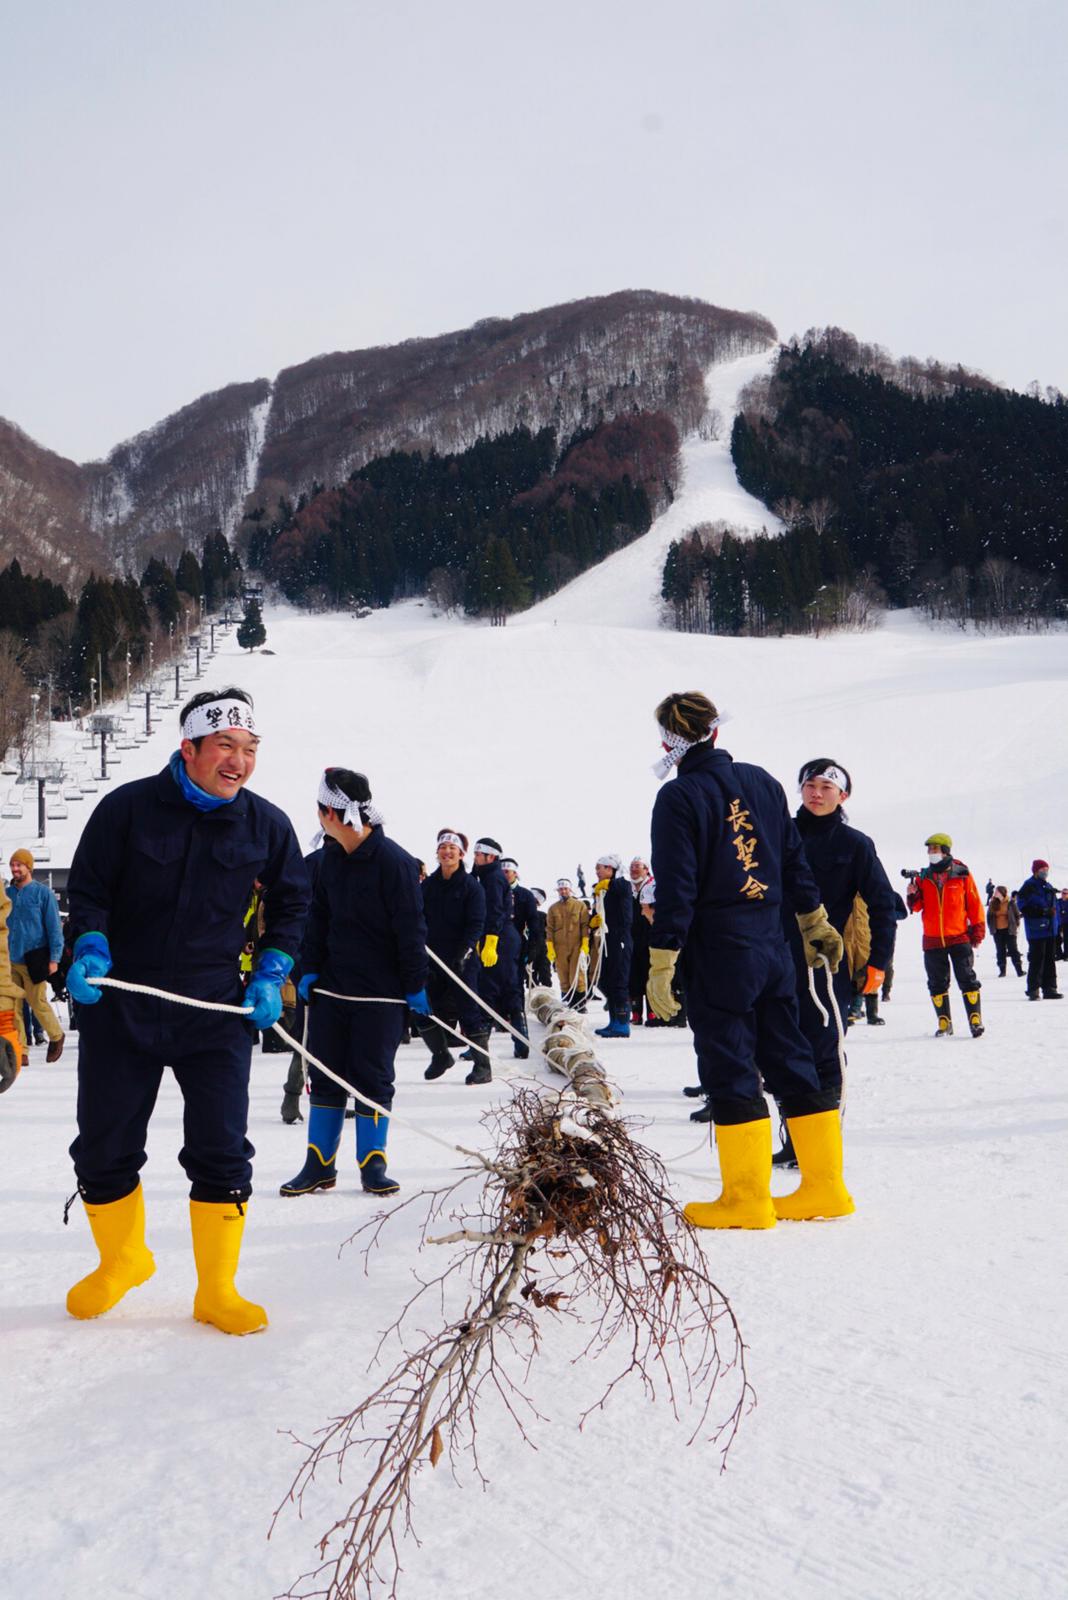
[(251, 632)]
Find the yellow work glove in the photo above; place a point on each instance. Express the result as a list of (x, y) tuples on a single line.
[(662, 964), (820, 938), (550, 951), (602, 886), (488, 950), (595, 920), (585, 945)]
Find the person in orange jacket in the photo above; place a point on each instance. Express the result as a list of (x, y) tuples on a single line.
[(953, 925)]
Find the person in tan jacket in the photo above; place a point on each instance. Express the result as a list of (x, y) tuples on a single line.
[(567, 933), (10, 998)]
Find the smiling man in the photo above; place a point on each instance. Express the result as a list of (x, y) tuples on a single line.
[(159, 887)]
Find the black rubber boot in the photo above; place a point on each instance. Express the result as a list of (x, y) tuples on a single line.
[(975, 1012), (945, 1021), (703, 1113), (481, 1072), (694, 1091), (871, 1008), (292, 1091), (518, 1019), (786, 1157), (439, 1064)]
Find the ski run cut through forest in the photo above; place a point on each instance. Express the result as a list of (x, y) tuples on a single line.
[(905, 1437)]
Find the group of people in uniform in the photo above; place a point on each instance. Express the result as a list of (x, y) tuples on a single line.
[(741, 901)]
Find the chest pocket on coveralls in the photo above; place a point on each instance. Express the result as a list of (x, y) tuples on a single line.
[(243, 858)]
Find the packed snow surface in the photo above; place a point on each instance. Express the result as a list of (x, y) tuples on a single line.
[(908, 1440)]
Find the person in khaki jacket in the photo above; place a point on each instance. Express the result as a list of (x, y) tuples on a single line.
[(567, 933), (10, 999)]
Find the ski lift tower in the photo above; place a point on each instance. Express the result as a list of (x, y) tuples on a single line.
[(42, 772), (106, 726)]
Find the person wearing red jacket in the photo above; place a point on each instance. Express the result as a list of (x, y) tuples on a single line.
[(953, 924)]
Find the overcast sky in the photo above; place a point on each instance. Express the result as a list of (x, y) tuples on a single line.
[(198, 192)]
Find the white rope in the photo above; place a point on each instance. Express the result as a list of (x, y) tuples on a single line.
[(456, 978), (245, 1011)]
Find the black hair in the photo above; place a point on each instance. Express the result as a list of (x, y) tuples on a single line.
[(352, 784), (207, 697)]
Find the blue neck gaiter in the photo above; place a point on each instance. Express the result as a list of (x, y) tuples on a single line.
[(192, 791)]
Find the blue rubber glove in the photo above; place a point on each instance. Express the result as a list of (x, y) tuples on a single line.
[(419, 1003), (92, 959), (264, 993), (306, 985)]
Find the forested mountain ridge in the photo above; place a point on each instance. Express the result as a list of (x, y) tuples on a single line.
[(251, 446), (928, 478)]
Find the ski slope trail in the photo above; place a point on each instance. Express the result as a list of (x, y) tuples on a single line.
[(624, 590)]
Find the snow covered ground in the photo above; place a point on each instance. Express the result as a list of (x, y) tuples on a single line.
[(909, 1362)]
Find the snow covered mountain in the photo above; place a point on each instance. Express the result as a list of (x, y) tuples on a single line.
[(907, 1361), (249, 443)]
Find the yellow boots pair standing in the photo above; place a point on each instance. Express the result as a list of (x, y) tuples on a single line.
[(745, 1165), (125, 1261)]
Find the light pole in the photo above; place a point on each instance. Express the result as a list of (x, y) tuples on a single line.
[(92, 695), (127, 680), (34, 698)]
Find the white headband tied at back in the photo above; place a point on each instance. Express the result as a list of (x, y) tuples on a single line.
[(446, 837), (356, 813), (676, 745)]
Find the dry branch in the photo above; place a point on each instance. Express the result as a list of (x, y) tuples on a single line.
[(573, 1217)]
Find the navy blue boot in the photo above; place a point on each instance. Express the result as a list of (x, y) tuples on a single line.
[(371, 1134), (325, 1124), (618, 1028), (518, 1019)]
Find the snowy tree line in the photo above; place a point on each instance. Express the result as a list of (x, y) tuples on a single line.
[(60, 641), (487, 530), (951, 493)]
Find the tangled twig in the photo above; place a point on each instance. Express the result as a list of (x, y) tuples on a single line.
[(574, 1217)]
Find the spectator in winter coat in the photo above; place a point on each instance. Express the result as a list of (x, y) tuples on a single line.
[(35, 944), (725, 853), (455, 909), (1003, 920), (10, 1000), (1037, 900), (366, 936), (846, 868), (613, 921), (158, 887), (640, 875), (567, 932), (947, 896)]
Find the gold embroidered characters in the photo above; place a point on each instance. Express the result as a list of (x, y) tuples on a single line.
[(746, 849)]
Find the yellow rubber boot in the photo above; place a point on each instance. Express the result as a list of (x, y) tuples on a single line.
[(818, 1143), (119, 1232), (217, 1231), (745, 1165)]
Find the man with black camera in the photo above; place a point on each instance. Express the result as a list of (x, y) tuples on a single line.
[(953, 925)]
